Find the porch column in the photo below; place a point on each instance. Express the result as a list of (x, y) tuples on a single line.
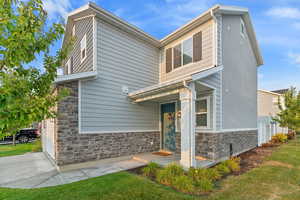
[(188, 98)]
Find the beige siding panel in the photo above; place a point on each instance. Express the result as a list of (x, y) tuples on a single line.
[(123, 61), (267, 104), (82, 27), (207, 54)]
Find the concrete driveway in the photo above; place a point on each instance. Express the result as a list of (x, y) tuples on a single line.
[(34, 170)]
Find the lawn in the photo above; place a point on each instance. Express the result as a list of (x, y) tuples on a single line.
[(11, 150), (277, 178)]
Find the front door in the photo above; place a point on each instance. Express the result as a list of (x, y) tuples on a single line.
[(168, 127)]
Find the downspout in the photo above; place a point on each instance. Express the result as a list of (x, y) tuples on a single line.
[(215, 27)]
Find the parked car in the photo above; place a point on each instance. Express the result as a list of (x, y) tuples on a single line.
[(24, 135)]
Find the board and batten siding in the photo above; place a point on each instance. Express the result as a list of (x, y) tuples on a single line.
[(122, 61), (82, 27), (239, 77), (207, 54)]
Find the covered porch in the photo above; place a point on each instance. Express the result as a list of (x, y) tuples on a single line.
[(186, 107)]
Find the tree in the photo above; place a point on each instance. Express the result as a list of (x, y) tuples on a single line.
[(27, 94), (289, 115)]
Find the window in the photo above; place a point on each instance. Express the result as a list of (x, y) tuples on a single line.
[(187, 51), (243, 30), (202, 112), (83, 48), (73, 30), (69, 66)]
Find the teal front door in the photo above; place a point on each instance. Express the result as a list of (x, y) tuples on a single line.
[(168, 127)]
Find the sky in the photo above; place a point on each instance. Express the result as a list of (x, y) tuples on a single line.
[(276, 23)]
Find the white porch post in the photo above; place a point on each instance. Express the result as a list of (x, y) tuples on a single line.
[(188, 98)]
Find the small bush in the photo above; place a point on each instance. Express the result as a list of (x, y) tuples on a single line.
[(204, 185), (222, 169), (167, 175), (279, 138), (210, 173), (150, 170), (233, 164), (184, 184), (291, 135)]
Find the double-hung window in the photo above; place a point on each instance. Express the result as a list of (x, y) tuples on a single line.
[(202, 112), (83, 48), (187, 51)]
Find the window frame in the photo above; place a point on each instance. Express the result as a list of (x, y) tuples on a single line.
[(242, 28), (181, 42), (83, 48), (207, 98), (73, 30)]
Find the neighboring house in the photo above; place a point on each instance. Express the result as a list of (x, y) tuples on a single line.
[(267, 103), (192, 93), (281, 91)]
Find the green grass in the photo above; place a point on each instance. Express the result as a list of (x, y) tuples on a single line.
[(11, 150), (279, 178)]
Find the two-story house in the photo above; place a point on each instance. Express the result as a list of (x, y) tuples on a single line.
[(192, 93)]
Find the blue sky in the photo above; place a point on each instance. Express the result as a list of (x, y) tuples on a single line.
[(276, 22)]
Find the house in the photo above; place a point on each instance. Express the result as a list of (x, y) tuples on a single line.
[(267, 103), (267, 109), (192, 93), (281, 91)]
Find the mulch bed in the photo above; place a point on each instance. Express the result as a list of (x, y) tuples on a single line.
[(255, 157)]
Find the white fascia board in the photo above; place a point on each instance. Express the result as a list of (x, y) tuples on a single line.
[(77, 76), (206, 73), (266, 91)]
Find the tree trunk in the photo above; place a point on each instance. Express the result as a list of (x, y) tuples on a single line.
[(14, 140)]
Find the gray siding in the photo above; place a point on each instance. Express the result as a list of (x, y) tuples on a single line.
[(82, 27), (239, 78), (122, 61)]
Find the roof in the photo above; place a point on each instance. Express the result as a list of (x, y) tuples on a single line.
[(281, 91), (77, 76), (269, 92), (92, 8)]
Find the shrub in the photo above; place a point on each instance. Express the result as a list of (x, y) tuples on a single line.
[(150, 170), (210, 173), (204, 185), (222, 169), (291, 135), (279, 138), (167, 175), (233, 164), (184, 184)]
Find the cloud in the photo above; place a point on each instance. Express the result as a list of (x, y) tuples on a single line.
[(56, 8), (295, 58), (284, 12), (296, 25)]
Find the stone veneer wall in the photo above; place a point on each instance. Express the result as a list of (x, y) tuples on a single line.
[(217, 145), (72, 147)]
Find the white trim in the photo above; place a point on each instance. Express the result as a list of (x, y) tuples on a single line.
[(95, 44), (79, 106), (76, 76), (214, 109), (84, 17), (226, 130), (125, 131), (221, 100), (269, 92), (68, 64), (205, 73), (207, 98)]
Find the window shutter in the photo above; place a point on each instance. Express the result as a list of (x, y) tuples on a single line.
[(197, 47), (168, 60), (177, 56)]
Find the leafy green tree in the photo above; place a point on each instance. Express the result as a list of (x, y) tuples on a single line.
[(289, 115), (27, 94)]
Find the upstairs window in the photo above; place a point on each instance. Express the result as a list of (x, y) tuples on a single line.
[(184, 53), (83, 48), (73, 30), (68, 66), (243, 30), (202, 112)]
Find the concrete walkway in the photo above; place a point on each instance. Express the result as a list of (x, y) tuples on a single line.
[(34, 170)]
